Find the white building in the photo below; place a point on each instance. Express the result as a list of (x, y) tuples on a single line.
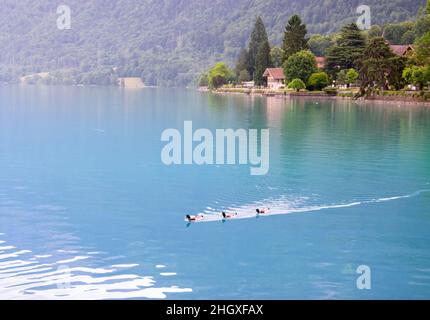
[(275, 78)]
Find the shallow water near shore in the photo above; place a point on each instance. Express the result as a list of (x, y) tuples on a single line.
[(88, 210)]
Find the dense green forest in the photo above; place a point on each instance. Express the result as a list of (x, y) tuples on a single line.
[(166, 42)]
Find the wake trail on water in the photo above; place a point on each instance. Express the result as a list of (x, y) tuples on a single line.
[(283, 206)]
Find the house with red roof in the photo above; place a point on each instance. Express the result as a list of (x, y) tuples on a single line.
[(320, 62), (275, 78), (402, 50)]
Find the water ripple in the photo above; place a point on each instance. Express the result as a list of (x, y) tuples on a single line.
[(24, 276), (285, 205)]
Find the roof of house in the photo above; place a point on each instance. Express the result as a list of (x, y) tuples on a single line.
[(320, 62), (401, 50), (275, 73)]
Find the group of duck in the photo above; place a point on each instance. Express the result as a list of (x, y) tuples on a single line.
[(225, 215)]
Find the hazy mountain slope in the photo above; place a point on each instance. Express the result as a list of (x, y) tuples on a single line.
[(167, 41)]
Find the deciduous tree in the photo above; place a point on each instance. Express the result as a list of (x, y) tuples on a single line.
[(318, 80), (300, 65), (219, 75), (297, 84)]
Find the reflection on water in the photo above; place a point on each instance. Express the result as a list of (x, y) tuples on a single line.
[(24, 275), (64, 273)]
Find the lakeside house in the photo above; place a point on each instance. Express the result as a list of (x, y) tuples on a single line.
[(275, 78), (131, 83), (320, 62), (402, 50)]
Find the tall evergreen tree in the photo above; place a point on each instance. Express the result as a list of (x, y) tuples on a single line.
[(379, 67), (242, 62), (294, 37), (348, 49), (243, 76), (258, 36), (262, 62)]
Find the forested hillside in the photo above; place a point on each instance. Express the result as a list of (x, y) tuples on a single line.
[(166, 42)]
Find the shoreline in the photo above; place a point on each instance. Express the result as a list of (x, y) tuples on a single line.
[(380, 99)]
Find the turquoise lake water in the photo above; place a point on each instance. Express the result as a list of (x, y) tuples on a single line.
[(88, 210)]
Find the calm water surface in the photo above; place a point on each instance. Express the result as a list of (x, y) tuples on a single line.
[(88, 210)]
